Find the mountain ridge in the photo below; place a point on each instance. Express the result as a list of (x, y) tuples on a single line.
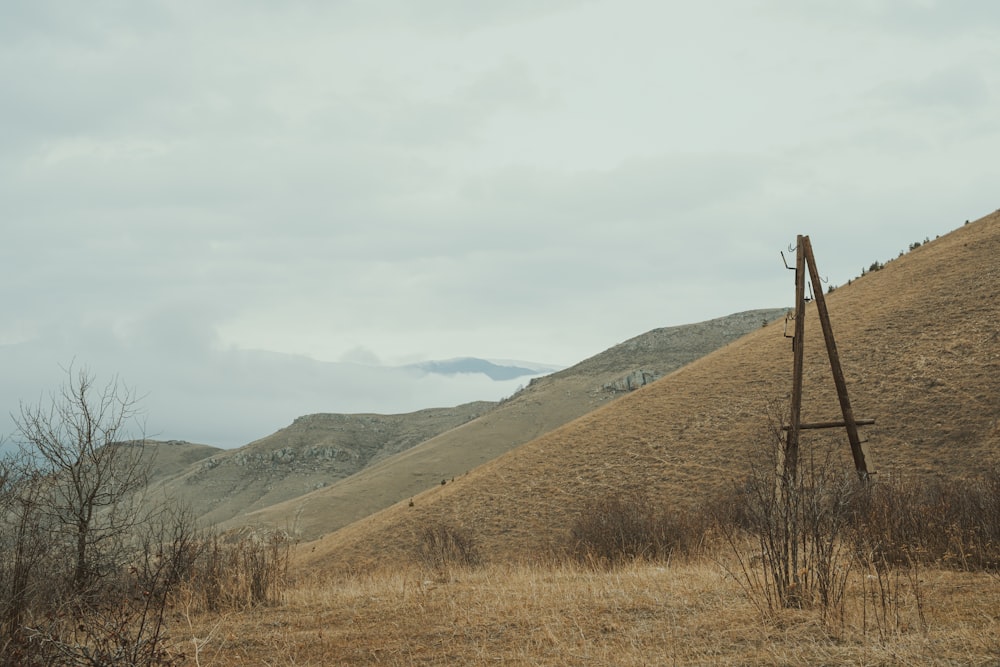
[(271, 479)]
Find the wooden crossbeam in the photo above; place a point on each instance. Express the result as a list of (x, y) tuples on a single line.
[(815, 425), (805, 263)]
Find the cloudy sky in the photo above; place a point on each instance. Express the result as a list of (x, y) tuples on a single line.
[(387, 181)]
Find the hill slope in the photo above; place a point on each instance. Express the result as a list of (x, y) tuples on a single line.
[(312, 452), (919, 344), (544, 405)]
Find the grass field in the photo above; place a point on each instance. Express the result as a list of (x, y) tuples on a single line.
[(694, 613)]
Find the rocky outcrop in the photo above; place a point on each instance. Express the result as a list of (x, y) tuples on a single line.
[(632, 381)]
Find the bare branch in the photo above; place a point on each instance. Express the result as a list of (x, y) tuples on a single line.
[(80, 442)]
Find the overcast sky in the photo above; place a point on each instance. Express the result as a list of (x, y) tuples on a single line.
[(387, 181)]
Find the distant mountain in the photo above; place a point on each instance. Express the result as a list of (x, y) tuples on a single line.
[(499, 371)]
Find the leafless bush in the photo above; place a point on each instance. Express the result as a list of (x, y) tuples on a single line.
[(25, 551), (118, 620), (443, 545), (797, 523), (953, 523), (87, 469), (619, 528), (812, 537), (814, 533), (88, 568), (84, 574)]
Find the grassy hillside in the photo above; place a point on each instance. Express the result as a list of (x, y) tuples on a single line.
[(171, 458), (546, 404), (919, 344), (312, 452)]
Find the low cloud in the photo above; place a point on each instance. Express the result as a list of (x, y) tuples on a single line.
[(227, 397), (181, 183)]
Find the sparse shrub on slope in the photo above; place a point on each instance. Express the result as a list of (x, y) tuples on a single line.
[(443, 545), (87, 570), (797, 528), (619, 528), (118, 620), (825, 539)]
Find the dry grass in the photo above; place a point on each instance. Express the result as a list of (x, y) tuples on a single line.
[(641, 614)]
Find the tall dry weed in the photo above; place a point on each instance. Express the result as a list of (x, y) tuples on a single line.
[(236, 575)]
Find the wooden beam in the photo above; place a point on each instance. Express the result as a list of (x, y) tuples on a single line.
[(838, 374), (815, 425), (791, 454)]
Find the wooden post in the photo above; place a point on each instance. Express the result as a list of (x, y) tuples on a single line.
[(788, 464), (787, 486), (838, 374), (804, 426), (791, 459)]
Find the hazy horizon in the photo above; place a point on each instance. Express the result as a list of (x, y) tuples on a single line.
[(389, 182)]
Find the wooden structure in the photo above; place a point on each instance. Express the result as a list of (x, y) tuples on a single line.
[(804, 260)]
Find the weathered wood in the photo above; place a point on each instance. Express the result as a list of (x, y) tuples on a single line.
[(791, 454), (815, 425), (838, 374)]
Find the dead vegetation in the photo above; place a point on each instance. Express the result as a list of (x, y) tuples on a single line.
[(569, 614), (869, 593)]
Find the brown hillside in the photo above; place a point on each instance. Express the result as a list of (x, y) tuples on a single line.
[(919, 344), (546, 404)]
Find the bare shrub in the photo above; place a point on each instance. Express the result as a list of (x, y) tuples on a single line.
[(443, 545), (618, 528), (796, 522), (954, 523), (119, 621), (88, 568), (25, 552), (814, 533), (88, 468), (901, 524), (968, 525), (84, 574)]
